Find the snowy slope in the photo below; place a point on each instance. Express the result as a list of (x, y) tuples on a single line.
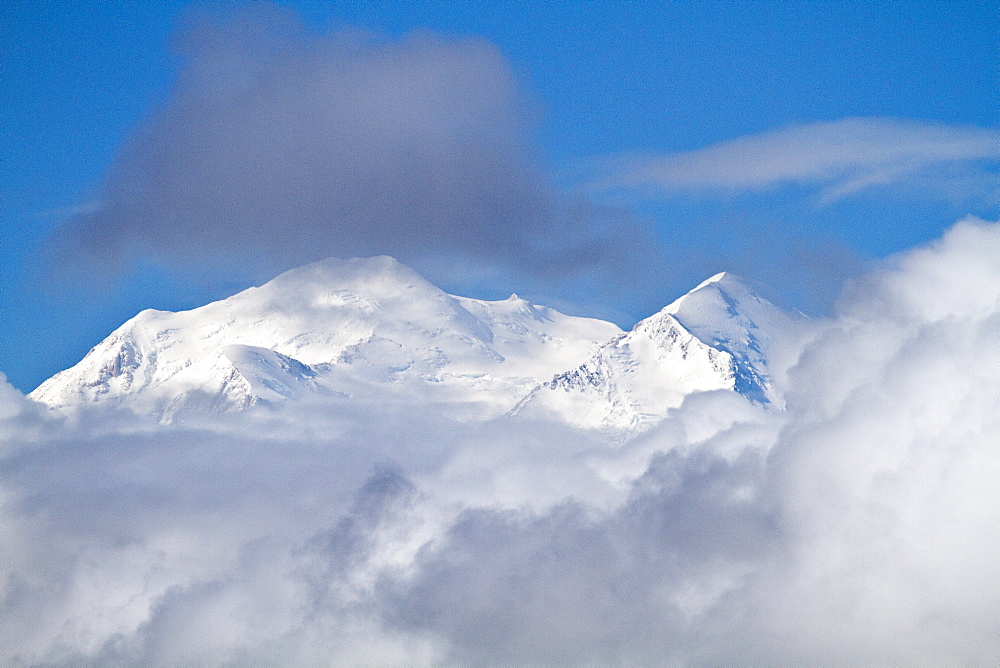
[(632, 381), (716, 337), (356, 329), (725, 313), (374, 332)]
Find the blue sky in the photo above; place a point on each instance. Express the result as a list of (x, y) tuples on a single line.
[(790, 142)]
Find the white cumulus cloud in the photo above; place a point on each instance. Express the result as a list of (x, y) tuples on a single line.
[(857, 527)]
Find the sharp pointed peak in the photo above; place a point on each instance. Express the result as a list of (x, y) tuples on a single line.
[(723, 279), (713, 279)]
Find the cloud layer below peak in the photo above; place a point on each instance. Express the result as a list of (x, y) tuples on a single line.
[(857, 527)]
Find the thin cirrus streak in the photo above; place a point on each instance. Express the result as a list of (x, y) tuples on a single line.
[(842, 157)]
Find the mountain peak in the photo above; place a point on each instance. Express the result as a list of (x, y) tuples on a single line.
[(726, 313), (725, 283), (381, 268), (714, 279), (367, 328), (362, 328)]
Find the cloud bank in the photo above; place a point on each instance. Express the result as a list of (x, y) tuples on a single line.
[(858, 527), (279, 146), (841, 157)]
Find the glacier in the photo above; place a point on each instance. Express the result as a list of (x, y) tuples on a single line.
[(372, 331)]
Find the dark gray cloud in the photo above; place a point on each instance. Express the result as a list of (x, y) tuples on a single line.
[(567, 588), (279, 146)]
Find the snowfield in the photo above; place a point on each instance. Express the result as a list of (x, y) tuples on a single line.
[(358, 331)]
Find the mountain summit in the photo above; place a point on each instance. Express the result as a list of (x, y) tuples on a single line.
[(725, 313), (371, 332), (716, 337), (362, 329)]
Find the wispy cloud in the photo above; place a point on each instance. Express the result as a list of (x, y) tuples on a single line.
[(70, 211), (839, 157)]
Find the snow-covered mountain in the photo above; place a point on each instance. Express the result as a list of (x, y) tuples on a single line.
[(374, 332), (361, 330), (719, 336), (726, 313)]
